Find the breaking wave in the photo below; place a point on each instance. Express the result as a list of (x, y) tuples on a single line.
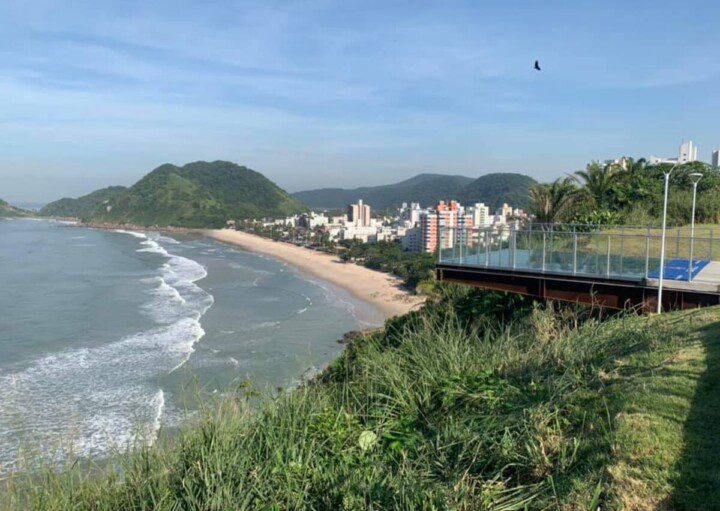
[(91, 401)]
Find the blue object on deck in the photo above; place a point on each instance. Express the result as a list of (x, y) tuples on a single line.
[(679, 269)]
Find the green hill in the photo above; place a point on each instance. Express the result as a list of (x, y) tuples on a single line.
[(199, 194), (428, 189), (494, 189), (6, 210), (85, 206)]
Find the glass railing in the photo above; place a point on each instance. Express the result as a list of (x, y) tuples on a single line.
[(623, 252)]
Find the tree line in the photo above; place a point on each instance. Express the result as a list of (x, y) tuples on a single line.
[(629, 192)]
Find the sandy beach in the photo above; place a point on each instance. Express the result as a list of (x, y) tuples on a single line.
[(379, 289)]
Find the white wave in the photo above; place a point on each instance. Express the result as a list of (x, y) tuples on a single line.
[(167, 239), (176, 294), (152, 247), (302, 311), (96, 399), (131, 233), (159, 402)]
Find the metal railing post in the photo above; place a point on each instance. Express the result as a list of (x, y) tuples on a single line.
[(647, 253), (607, 269), (543, 252), (487, 248), (514, 245), (439, 249), (711, 244), (597, 252), (454, 245), (622, 248), (574, 253), (460, 239), (529, 247)]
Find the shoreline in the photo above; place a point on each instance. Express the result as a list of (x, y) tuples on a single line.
[(381, 290)]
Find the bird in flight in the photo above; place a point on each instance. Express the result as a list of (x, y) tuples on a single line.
[(537, 65)]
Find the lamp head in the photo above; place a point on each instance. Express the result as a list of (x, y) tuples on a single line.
[(695, 177)]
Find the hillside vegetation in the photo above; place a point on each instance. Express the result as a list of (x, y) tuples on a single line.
[(6, 210), (199, 194), (428, 189), (495, 189), (84, 207), (480, 401)]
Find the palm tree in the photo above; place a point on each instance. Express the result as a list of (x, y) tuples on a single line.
[(552, 201), (632, 165), (597, 181)]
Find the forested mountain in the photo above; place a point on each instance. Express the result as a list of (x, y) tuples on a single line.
[(428, 189), (423, 188), (494, 189), (6, 210), (199, 194), (83, 207)]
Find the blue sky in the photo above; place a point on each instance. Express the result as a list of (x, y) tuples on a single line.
[(345, 93)]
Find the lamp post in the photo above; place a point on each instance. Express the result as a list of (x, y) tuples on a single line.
[(662, 238), (695, 177)]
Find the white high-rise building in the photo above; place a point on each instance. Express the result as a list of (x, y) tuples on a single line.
[(481, 215), (688, 152), (359, 214), (716, 158)]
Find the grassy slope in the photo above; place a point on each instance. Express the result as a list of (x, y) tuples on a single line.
[(668, 428), (435, 414)]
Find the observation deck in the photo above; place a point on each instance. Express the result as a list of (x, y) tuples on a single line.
[(615, 267)]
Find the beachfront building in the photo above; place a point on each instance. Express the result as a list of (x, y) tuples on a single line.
[(312, 220), (359, 233), (359, 214)]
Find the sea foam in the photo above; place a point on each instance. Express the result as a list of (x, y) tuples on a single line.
[(104, 397)]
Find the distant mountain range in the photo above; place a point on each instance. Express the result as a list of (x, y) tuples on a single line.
[(428, 189), (207, 194), (199, 194), (6, 210)]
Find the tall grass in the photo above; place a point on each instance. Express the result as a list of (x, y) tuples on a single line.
[(435, 412)]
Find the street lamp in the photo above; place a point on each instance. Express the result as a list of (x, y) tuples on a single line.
[(695, 177), (662, 238)]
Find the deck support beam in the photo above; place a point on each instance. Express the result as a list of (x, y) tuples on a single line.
[(602, 292)]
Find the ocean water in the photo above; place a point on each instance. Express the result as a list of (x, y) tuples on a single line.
[(106, 337)]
